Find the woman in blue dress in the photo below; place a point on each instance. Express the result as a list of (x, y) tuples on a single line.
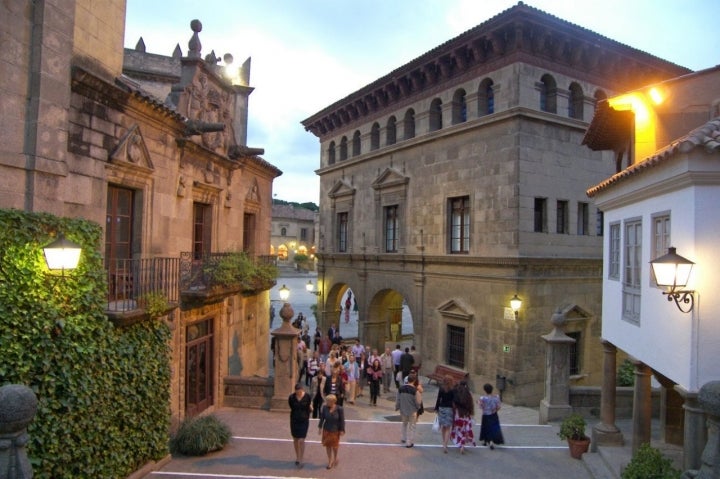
[(490, 432)]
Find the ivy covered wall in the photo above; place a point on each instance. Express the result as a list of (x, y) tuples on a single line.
[(103, 392)]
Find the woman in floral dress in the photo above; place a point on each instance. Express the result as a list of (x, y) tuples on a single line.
[(462, 430)]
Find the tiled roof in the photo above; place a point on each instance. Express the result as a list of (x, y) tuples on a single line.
[(706, 136), (290, 211)]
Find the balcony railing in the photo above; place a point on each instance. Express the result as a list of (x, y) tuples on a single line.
[(198, 276), (130, 281)]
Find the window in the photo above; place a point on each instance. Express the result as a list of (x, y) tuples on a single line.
[(562, 217), (202, 222), (631, 271), (661, 235), (614, 252), (303, 234), (548, 94), (574, 354), (331, 153), (582, 218), (391, 229), (118, 223), (342, 232), (435, 114), (356, 143), (409, 124), (456, 346), (599, 223), (375, 137), (391, 132), (486, 98), (343, 149), (576, 101), (540, 221), (459, 107), (283, 231), (459, 224)]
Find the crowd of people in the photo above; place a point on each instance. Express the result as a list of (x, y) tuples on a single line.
[(335, 374)]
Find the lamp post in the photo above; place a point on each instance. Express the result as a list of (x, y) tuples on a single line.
[(672, 271), (310, 287), (62, 254), (515, 304)]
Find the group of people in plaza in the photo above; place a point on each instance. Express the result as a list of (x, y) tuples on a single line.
[(338, 374)]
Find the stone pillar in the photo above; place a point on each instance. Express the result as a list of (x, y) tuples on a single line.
[(556, 403), (286, 371), (695, 431), (606, 433), (709, 398), (18, 405), (642, 406)]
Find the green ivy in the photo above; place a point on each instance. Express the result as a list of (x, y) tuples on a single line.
[(103, 393), (626, 374)]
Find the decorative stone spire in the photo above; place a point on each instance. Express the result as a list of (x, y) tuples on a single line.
[(177, 53), (194, 45), (140, 45)]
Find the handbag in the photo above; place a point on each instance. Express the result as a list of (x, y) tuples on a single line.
[(436, 424), (421, 410)]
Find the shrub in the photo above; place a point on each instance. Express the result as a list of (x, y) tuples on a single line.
[(649, 462), (572, 427), (199, 435), (626, 374)]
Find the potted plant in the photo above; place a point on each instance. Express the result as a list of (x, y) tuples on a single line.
[(572, 429)]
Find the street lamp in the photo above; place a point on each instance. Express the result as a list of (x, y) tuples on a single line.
[(673, 271), (62, 254), (515, 304), (284, 293), (310, 287)]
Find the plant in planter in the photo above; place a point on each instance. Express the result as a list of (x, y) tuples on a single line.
[(199, 435), (572, 429), (156, 304)]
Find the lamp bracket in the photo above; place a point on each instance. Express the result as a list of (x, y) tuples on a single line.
[(684, 300)]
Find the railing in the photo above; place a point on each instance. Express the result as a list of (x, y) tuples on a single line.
[(131, 280)]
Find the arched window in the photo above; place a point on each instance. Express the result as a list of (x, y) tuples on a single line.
[(576, 101), (435, 114), (356, 143), (343, 148), (391, 133), (283, 231), (486, 98), (409, 124), (375, 136), (459, 107), (548, 94), (599, 96), (331, 153)]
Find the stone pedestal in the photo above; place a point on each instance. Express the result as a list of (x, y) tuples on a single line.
[(18, 405), (286, 370), (556, 403), (709, 398), (606, 433)]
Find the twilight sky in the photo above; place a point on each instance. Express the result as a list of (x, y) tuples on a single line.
[(307, 54)]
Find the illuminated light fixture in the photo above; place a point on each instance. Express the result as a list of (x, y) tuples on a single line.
[(62, 254), (515, 304), (655, 95), (310, 288), (673, 271), (284, 293)]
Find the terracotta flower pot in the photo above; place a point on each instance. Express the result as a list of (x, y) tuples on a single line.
[(578, 447)]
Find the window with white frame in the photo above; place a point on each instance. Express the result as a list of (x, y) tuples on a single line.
[(661, 236), (631, 270), (614, 252), (459, 224), (391, 229)]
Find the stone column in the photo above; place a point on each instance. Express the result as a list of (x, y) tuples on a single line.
[(709, 398), (286, 371), (695, 431), (18, 405), (606, 433), (642, 406), (556, 403)]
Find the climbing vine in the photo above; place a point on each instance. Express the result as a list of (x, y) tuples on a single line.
[(103, 392)]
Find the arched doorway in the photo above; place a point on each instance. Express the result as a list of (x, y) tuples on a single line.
[(389, 321)]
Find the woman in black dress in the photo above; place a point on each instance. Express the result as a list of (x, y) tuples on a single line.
[(300, 409)]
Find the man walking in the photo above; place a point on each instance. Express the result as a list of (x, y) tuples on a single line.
[(397, 352), (406, 363), (386, 362), (408, 404)]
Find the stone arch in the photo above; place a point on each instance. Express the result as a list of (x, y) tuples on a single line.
[(375, 136), (331, 153), (356, 143), (409, 124), (391, 131), (343, 148), (486, 97)]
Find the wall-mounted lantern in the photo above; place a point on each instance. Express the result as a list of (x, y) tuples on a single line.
[(62, 254), (284, 292), (310, 287), (515, 304), (672, 271)]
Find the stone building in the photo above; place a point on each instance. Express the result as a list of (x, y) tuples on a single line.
[(293, 232), (153, 147), (458, 180)]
